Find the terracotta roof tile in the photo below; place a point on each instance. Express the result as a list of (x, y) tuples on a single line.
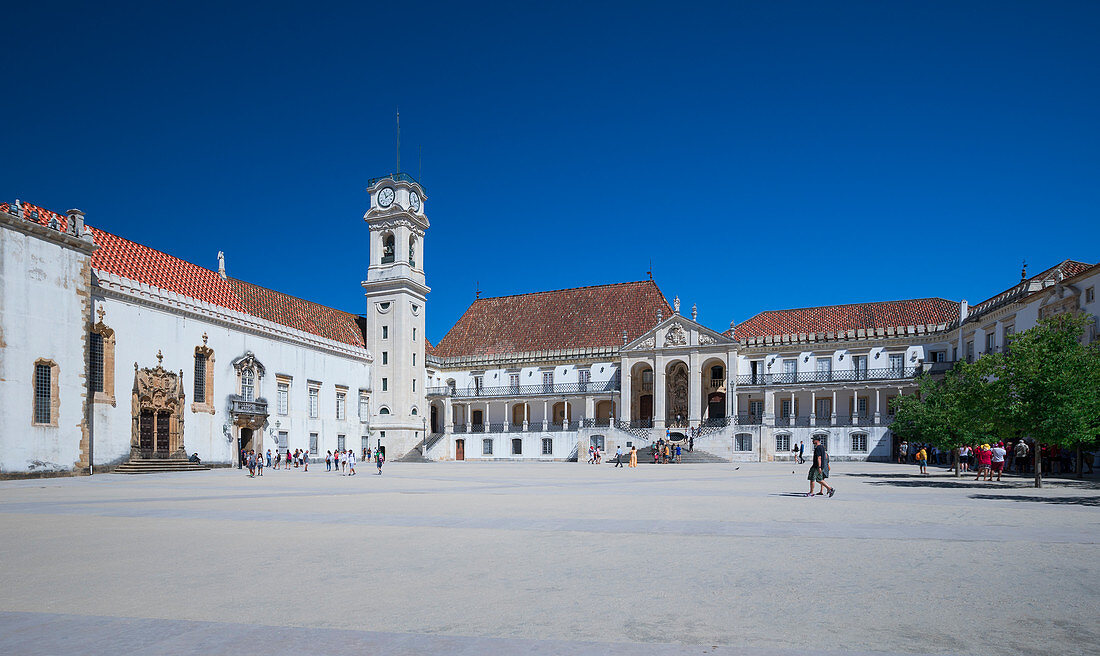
[(834, 318), (131, 260), (582, 317)]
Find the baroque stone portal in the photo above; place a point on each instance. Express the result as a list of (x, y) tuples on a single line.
[(157, 403)]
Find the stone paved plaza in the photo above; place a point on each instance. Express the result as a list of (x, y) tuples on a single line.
[(548, 559)]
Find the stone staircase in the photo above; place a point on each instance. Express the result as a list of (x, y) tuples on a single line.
[(645, 457), (158, 466)]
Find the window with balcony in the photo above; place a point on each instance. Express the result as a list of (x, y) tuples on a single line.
[(756, 408), (897, 364), (859, 366), (248, 384), (583, 376), (548, 381), (513, 383), (824, 368), (790, 367), (478, 380)]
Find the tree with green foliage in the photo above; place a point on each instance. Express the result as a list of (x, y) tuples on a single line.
[(950, 412), (1047, 387)]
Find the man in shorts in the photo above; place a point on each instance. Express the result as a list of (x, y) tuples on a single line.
[(818, 464)]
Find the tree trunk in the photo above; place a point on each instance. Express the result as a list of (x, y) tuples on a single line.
[(1038, 465), (1078, 461), (955, 456)]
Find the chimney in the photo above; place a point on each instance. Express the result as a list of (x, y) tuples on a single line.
[(221, 265), (624, 338), (964, 311), (75, 225)]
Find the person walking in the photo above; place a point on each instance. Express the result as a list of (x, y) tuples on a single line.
[(259, 464), (618, 456), (379, 459), (251, 459), (305, 460), (691, 441), (678, 454), (922, 460), (278, 458), (269, 457), (633, 456), (985, 461), (344, 462), (328, 460), (1021, 452), (818, 469), (351, 462), (801, 452)]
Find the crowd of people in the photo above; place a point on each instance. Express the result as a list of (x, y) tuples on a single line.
[(340, 461), (995, 458)]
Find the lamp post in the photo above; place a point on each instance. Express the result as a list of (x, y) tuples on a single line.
[(424, 448)]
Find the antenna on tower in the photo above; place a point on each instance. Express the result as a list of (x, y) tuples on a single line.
[(477, 289), (398, 139)]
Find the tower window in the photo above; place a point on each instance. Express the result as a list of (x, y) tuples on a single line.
[(43, 393), (200, 378), (385, 357), (412, 251), (387, 248), (385, 332), (385, 384)]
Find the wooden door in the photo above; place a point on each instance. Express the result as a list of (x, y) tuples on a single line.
[(460, 449), (645, 407), (145, 432), (162, 432)]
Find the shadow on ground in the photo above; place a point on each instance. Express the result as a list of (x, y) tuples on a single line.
[(1074, 501)]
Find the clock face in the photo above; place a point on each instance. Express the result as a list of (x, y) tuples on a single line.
[(414, 201), (385, 197)]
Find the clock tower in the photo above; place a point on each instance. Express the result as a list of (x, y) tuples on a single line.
[(396, 294)]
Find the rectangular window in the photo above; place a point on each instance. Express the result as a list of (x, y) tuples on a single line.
[(785, 408), (990, 341), (547, 446), (385, 384), (513, 382), (742, 442), (756, 408), (1090, 294), (824, 409), (861, 406), (363, 407), (824, 369), (938, 356), (313, 444), (284, 440), (897, 364), (859, 443), (200, 378), (782, 443), (859, 366), (517, 447), (487, 446), (340, 443), (365, 441), (597, 441), (414, 334), (414, 384), (43, 413), (314, 402), (585, 374), (414, 359), (970, 351), (95, 361), (341, 405), (385, 357), (385, 332), (283, 398), (477, 384), (789, 369), (548, 381)]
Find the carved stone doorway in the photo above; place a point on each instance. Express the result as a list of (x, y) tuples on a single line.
[(246, 439), (156, 412), (676, 413)]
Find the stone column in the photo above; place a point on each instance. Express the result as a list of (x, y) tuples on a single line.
[(626, 400), (832, 420), (659, 393), (878, 407), (545, 416), (695, 389), (448, 415), (813, 407), (731, 383)]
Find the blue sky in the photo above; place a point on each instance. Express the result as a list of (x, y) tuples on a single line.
[(763, 155)]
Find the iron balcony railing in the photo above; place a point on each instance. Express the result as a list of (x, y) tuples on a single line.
[(591, 387), (794, 378), (242, 407), (400, 177), (532, 427)]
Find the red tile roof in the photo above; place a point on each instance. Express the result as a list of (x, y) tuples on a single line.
[(298, 313), (128, 259), (582, 317), (836, 318)]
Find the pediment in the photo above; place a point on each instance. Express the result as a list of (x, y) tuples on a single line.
[(677, 332)]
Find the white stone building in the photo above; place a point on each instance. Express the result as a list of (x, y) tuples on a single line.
[(111, 351)]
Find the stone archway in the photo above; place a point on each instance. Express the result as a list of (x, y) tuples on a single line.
[(676, 386), (156, 412)]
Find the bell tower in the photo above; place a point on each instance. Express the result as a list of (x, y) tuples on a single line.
[(396, 294)]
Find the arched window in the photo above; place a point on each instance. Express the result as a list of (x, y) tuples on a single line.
[(413, 413), (248, 384), (387, 248), (384, 411), (412, 251)]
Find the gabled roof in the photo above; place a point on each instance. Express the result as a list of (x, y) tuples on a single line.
[(1065, 269), (581, 317), (837, 318), (129, 259)]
